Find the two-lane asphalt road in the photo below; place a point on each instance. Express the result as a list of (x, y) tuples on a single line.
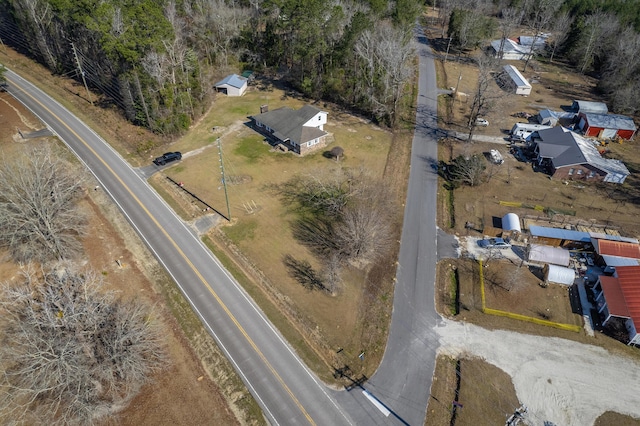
[(403, 380), (286, 390)]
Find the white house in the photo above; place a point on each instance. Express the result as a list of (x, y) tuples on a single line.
[(511, 50), (300, 131), (519, 49), (232, 85), (518, 82)]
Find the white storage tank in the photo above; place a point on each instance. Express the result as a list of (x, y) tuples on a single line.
[(559, 274), (511, 222)]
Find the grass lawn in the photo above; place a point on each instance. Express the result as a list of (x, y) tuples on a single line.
[(260, 226)]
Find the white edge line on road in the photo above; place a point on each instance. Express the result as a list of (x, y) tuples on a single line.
[(222, 268), (384, 410), (141, 235)]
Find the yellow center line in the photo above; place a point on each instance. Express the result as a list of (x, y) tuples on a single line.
[(186, 259)]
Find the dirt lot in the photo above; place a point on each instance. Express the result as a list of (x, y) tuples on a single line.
[(183, 391), (610, 205), (484, 393)]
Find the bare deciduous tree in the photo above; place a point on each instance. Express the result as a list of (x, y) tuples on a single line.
[(336, 152), (72, 353), (346, 219), (561, 28), (621, 69), (385, 54), (510, 18), (467, 169), (363, 234), (38, 216), (594, 38), (539, 16), (482, 98)]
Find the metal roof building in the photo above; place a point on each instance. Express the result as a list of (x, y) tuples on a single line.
[(619, 296), (560, 234), (607, 125), (232, 85), (589, 106), (616, 248), (522, 86)]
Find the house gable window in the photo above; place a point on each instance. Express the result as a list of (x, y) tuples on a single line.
[(571, 170), (591, 174), (579, 172)]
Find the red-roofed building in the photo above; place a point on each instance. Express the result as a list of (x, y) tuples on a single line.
[(617, 248), (619, 296)]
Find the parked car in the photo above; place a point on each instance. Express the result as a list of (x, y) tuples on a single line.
[(481, 122), (491, 243), (167, 157), (496, 157)]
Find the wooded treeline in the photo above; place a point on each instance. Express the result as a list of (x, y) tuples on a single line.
[(154, 59), (598, 37)]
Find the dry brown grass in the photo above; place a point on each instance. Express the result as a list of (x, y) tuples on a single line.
[(486, 393), (199, 384), (260, 226), (608, 204)]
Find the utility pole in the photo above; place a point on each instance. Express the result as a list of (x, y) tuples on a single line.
[(455, 94), (75, 55), (447, 54), (224, 181)]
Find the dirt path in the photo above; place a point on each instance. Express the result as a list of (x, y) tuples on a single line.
[(560, 381)]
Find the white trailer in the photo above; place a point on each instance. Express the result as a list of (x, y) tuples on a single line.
[(518, 82), (522, 131)]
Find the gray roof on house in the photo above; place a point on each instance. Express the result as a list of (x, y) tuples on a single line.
[(509, 46), (233, 80), (588, 106), (287, 123), (610, 121), (560, 146), (566, 148)]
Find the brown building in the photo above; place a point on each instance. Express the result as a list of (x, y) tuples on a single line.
[(567, 155)]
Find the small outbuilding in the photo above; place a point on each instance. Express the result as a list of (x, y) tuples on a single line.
[(547, 117), (590, 107), (518, 83), (607, 126), (559, 274), (232, 85)]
